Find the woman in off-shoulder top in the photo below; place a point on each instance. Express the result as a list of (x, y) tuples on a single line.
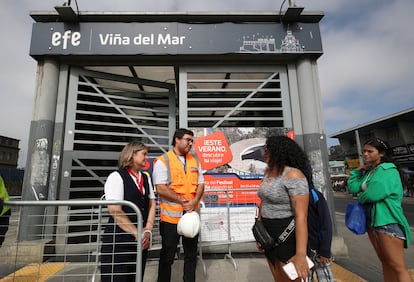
[(284, 196)]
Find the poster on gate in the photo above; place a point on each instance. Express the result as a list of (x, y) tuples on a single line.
[(233, 161)]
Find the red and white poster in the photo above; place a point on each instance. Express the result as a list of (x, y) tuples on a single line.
[(233, 161), (212, 150)]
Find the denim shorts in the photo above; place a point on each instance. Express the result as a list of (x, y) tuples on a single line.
[(392, 229)]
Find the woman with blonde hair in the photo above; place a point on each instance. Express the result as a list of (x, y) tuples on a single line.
[(118, 259)]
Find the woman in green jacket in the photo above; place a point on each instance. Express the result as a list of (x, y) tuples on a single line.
[(5, 211), (379, 187)]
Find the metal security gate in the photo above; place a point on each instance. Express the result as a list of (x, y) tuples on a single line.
[(104, 111), (234, 97)]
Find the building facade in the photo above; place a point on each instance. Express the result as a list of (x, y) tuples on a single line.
[(396, 129), (9, 152)]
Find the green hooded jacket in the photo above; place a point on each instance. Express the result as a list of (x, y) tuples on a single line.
[(4, 196), (385, 192)]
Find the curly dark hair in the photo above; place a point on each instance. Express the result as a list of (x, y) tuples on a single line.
[(283, 152)]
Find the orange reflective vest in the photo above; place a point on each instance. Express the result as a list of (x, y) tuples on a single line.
[(184, 183)]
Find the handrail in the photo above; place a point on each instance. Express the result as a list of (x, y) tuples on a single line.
[(92, 203)]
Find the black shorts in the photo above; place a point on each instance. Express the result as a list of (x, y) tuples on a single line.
[(285, 250)]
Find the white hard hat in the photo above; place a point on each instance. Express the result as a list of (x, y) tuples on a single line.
[(189, 224)]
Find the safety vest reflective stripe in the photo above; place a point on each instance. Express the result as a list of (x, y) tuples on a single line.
[(167, 164), (173, 206), (169, 213)]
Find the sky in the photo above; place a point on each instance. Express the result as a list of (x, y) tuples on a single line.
[(365, 73)]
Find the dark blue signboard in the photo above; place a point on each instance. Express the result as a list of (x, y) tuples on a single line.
[(173, 38)]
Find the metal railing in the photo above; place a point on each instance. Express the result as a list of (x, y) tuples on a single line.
[(49, 255), (227, 216)]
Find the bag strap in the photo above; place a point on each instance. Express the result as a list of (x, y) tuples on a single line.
[(291, 226), (285, 234)]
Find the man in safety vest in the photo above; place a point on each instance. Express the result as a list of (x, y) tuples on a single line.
[(179, 182), (5, 211)]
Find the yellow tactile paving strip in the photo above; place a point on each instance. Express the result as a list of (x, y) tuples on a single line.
[(343, 275), (35, 272)]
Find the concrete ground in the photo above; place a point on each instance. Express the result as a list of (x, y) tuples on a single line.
[(248, 269)]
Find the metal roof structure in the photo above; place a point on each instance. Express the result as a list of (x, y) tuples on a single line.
[(195, 17), (386, 121)]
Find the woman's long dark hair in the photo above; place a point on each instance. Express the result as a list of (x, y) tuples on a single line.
[(283, 152), (383, 148)]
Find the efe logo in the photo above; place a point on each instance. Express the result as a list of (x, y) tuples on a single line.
[(59, 39)]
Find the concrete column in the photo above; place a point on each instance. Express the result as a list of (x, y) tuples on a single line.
[(36, 178), (314, 137), (359, 148)]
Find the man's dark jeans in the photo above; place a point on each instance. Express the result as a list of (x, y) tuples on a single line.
[(170, 240)]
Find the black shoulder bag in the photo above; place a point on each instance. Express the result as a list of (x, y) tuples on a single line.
[(266, 241)]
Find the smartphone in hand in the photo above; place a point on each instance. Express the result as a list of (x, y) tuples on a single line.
[(290, 269)]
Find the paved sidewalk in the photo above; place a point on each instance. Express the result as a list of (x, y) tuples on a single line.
[(251, 269)]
